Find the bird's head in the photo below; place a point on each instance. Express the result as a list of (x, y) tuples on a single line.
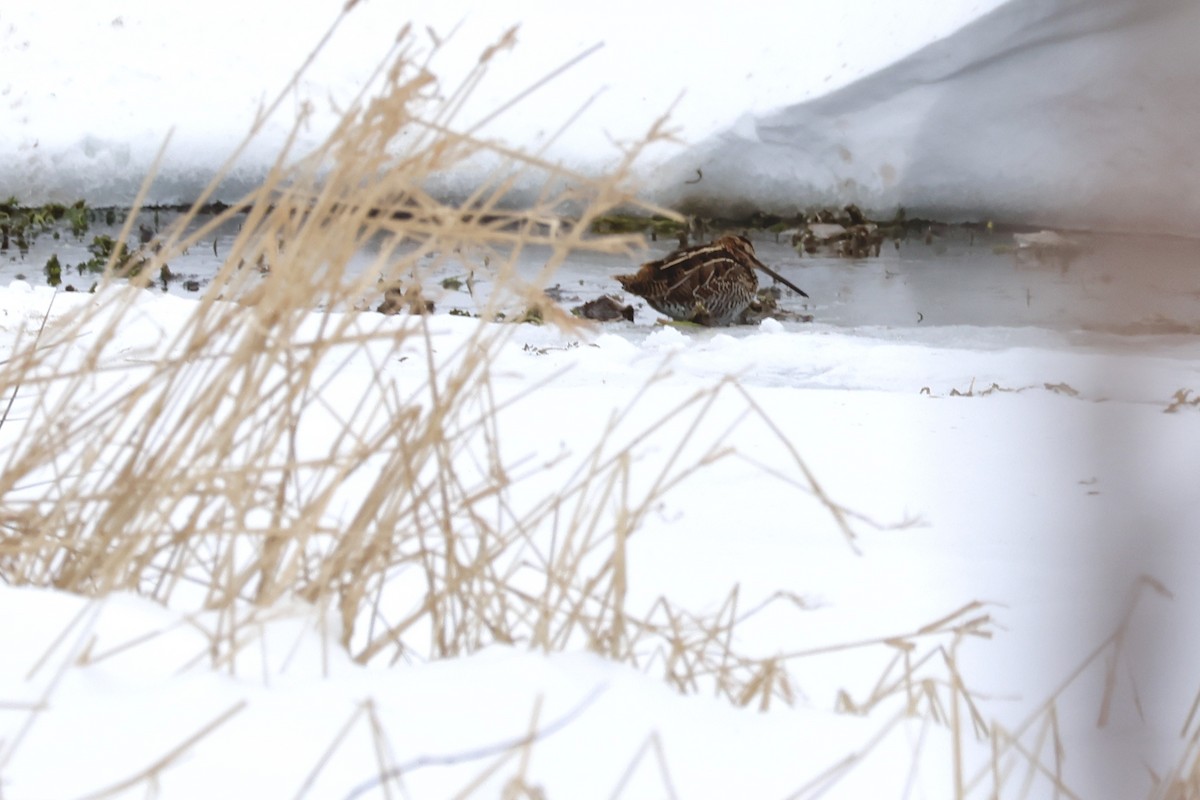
[(737, 243), (741, 244)]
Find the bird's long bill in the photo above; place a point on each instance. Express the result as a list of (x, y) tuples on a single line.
[(779, 277)]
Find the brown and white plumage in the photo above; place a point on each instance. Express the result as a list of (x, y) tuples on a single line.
[(711, 284)]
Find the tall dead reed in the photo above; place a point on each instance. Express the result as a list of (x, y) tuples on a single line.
[(262, 451)]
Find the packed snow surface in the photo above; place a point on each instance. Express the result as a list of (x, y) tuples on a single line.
[(1070, 113), (1065, 112), (1033, 472), (91, 92)]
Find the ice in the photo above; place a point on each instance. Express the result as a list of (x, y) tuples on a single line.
[(1060, 113)]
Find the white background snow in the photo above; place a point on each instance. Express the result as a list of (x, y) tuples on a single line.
[(90, 91), (1069, 112), (1045, 502)]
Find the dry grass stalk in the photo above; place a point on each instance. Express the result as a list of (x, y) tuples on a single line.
[(337, 741), (652, 744), (187, 472), (150, 774), (823, 783), (1012, 748)]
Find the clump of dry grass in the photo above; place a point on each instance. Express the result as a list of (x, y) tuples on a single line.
[(251, 458)]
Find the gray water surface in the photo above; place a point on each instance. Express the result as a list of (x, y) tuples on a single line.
[(1114, 285)]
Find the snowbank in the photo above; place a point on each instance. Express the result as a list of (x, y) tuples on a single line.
[(91, 93), (1043, 478), (1066, 113)]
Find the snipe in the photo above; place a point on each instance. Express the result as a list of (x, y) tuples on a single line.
[(711, 284)]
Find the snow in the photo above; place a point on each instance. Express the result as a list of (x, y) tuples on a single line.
[(441, 710), (1073, 113), (1028, 467), (1045, 499), (93, 91)]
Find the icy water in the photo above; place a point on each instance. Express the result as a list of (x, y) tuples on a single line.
[(1104, 285)]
